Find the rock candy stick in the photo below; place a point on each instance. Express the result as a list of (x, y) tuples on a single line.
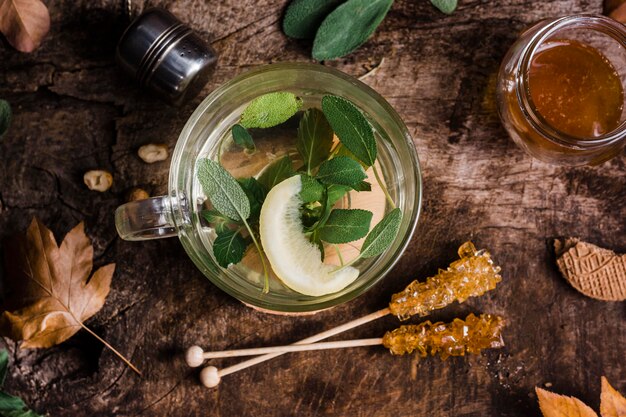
[(471, 276)]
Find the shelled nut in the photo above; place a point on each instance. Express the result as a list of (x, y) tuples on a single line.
[(137, 193), (98, 180), (152, 153)]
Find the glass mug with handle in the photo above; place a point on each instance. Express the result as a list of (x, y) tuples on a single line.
[(179, 212)]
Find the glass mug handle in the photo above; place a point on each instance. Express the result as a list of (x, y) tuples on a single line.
[(145, 219)]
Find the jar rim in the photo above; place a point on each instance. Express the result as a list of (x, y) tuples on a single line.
[(590, 21)]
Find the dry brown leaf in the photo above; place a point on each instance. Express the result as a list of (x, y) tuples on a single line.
[(555, 405), (615, 9), (612, 403), (48, 293), (24, 23)]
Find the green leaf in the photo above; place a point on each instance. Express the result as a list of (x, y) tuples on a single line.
[(352, 128), (382, 235), (216, 219), (311, 190), (341, 170), (336, 192), (10, 405), (223, 190), (303, 17), (4, 366), (242, 137), (276, 172), (363, 186), (270, 110), (229, 247), (445, 6), (5, 116), (348, 27), (345, 226), (256, 194), (315, 138)]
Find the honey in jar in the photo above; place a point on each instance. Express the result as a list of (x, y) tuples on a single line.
[(576, 89), (561, 88)]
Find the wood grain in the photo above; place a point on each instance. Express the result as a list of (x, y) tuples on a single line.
[(73, 111)]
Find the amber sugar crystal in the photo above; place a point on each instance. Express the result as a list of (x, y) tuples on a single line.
[(447, 339), (471, 276), (575, 89)]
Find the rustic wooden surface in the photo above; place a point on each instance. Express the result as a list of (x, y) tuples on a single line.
[(73, 111)]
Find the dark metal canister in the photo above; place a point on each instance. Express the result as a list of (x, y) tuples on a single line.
[(166, 56)]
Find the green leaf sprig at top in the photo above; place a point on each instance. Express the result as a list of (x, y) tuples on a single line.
[(293, 213)]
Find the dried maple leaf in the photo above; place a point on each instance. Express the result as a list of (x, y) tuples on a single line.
[(612, 403), (24, 23), (615, 9), (48, 293), (555, 405)]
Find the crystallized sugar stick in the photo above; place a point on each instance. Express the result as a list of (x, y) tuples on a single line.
[(444, 339)]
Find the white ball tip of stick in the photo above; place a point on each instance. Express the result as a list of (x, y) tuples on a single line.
[(210, 377), (194, 356)]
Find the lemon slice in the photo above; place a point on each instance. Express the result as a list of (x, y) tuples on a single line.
[(295, 260)]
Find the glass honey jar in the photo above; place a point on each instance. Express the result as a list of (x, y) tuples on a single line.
[(561, 89)]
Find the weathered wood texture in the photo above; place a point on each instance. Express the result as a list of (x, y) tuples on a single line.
[(74, 112)]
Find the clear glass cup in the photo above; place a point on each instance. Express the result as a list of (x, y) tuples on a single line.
[(178, 213), (519, 116)]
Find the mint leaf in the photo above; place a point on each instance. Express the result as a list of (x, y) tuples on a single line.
[(256, 195), (223, 190), (303, 17), (5, 116), (348, 27), (276, 172), (336, 192), (345, 226), (10, 405), (242, 137), (311, 190), (216, 219), (229, 247), (352, 128), (363, 186), (341, 170), (270, 110), (445, 6), (382, 235), (315, 138)]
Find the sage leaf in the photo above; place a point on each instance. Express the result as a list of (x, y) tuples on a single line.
[(352, 128), (348, 27), (341, 170), (303, 17), (229, 247), (223, 190), (276, 172), (311, 190), (445, 6), (270, 110), (216, 219), (5, 116), (382, 235), (242, 137), (345, 226), (256, 194), (315, 138), (10, 405)]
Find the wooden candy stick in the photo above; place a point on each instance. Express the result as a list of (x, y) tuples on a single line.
[(446, 339)]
